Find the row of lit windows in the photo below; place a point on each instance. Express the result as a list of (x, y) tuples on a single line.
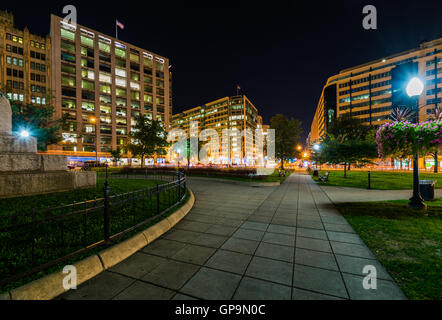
[(362, 80), (38, 45), (365, 104), (365, 96), (14, 38), (374, 85), (104, 45), (14, 61)]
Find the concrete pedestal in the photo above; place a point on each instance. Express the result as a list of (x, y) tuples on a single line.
[(24, 172)]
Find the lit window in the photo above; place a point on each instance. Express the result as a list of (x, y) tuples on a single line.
[(120, 72), (120, 82), (104, 78)]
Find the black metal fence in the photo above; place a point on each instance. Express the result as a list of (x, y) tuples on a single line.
[(34, 241)]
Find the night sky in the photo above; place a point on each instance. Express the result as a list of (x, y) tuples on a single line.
[(279, 52)]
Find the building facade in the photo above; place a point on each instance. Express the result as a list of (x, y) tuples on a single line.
[(370, 91), (236, 114), (101, 84), (25, 63)]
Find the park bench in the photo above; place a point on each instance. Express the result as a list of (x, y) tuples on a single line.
[(324, 178)]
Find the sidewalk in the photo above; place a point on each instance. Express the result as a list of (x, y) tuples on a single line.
[(240, 242), (346, 194)]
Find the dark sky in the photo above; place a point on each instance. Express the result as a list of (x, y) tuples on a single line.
[(279, 52)]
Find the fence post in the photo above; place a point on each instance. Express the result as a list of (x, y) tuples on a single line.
[(178, 185), (158, 199), (106, 190), (369, 179)]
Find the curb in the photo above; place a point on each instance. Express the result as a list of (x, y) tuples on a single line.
[(243, 183), (51, 286)]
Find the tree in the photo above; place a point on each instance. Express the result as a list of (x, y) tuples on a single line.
[(287, 136), (356, 152), (436, 115), (39, 121), (147, 138), (348, 142), (116, 155)]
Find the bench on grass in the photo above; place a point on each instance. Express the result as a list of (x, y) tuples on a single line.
[(324, 178)]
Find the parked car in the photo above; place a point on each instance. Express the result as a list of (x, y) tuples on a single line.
[(92, 164)]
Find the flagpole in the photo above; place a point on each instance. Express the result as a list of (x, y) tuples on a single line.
[(116, 30)]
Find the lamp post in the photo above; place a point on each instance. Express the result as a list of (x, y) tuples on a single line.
[(94, 121), (316, 148), (415, 88)]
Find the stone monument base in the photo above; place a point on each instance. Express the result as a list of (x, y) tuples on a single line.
[(32, 183), (24, 172)]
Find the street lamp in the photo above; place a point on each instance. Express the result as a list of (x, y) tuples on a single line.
[(415, 88), (24, 134), (316, 147), (94, 121)]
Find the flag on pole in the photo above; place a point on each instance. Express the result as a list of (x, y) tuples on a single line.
[(120, 25)]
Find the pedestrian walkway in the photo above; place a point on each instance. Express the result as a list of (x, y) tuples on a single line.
[(240, 242), (346, 194)]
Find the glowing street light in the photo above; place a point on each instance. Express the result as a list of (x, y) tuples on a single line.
[(316, 147), (415, 87), (299, 148), (93, 120), (24, 134)]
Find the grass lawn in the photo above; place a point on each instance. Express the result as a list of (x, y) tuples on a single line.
[(382, 180), (57, 238), (12, 205), (408, 244)]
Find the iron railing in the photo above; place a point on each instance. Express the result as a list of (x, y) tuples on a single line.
[(34, 241)]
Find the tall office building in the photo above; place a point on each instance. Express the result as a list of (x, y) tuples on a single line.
[(235, 113), (101, 84), (371, 90), (24, 63)]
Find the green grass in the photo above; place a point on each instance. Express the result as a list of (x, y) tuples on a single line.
[(15, 246), (381, 180), (407, 243), (12, 205)]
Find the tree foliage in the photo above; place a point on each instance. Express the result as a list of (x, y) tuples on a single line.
[(348, 142), (116, 154), (402, 139), (147, 138), (287, 136)]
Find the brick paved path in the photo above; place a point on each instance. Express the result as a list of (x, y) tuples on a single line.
[(239, 242)]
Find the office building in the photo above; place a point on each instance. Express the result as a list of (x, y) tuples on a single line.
[(370, 91), (101, 84), (25, 65), (236, 114)]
